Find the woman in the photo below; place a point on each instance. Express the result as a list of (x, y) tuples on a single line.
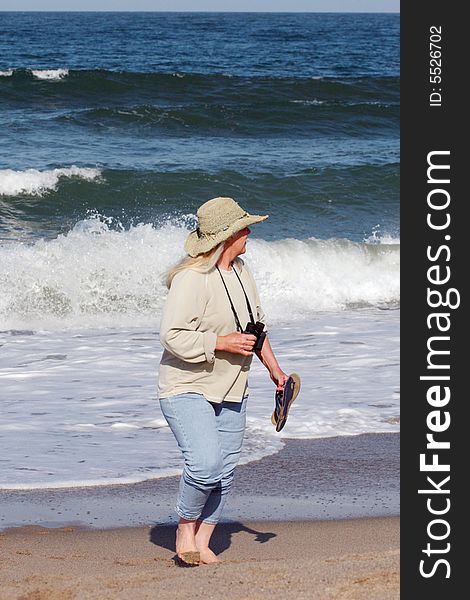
[(204, 368)]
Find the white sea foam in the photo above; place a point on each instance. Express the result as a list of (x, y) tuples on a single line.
[(96, 276), (79, 407), (50, 74), (45, 74), (33, 182), (315, 275), (313, 102), (80, 317), (381, 237)]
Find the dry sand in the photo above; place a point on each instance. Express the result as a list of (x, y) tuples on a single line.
[(341, 559)]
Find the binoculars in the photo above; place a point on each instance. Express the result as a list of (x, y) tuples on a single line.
[(256, 329)]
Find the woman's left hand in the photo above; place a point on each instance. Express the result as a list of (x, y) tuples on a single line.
[(279, 378)]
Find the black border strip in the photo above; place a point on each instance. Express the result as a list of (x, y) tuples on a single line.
[(432, 563)]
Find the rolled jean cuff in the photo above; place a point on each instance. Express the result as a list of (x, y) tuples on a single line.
[(181, 514), (211, 521)]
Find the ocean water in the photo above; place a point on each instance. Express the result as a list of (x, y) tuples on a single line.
[(111, 136)]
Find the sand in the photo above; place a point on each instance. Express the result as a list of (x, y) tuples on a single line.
[(317, 520), (340, 559)]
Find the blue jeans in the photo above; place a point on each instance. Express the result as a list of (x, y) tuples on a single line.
[(210, 437)]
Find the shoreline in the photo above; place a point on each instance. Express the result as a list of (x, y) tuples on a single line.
[(337, 559), (308, 480)]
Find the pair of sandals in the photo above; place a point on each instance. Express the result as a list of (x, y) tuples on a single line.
[(284, 399)]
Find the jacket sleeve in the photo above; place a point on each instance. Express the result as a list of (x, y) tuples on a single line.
[(181, 318)]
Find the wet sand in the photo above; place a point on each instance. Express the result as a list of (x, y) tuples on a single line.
[(332, 478)]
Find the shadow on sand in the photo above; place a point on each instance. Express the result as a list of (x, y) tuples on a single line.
[(164, 536)]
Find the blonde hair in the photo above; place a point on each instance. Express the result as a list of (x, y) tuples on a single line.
[(202, 262)]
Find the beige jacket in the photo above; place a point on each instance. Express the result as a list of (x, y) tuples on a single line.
[(196, 311)]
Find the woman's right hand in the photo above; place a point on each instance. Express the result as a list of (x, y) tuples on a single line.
[(237, 343)]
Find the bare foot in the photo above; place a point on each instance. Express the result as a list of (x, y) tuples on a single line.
[(208, 557), (186, 549), (185, 541), (203, 535)]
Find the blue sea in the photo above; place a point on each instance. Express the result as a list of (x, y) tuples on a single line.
[(114, 128)]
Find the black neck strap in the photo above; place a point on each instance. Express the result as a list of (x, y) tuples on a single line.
[(237, 320)]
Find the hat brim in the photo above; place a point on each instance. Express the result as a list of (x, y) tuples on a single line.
[(196, 244)]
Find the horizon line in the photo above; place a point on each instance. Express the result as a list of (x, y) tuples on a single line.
[(280, 12)]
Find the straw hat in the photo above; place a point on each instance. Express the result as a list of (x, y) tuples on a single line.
[(218, 219)]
